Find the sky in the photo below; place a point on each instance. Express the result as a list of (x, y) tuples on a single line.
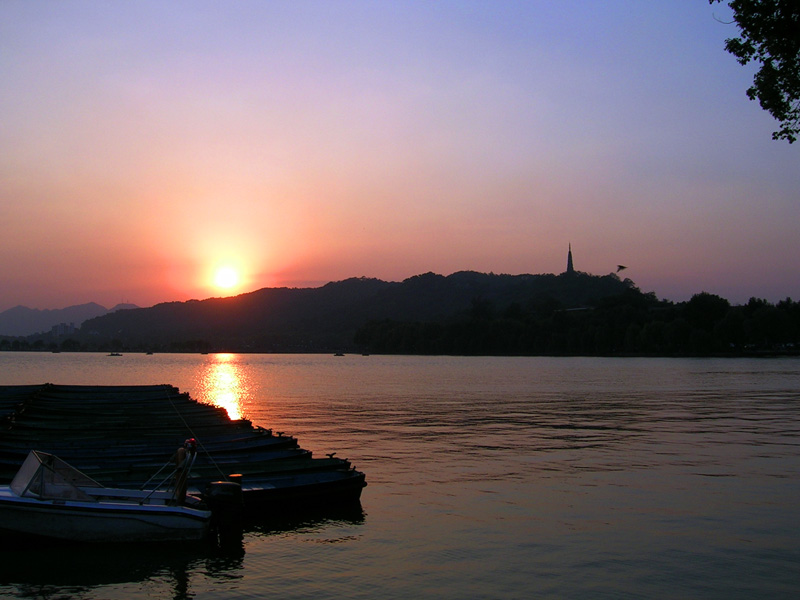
[(144, 145)]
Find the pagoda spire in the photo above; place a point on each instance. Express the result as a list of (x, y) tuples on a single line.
[(570, 268)]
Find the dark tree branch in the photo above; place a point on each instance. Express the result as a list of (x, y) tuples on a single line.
[(770, 35)]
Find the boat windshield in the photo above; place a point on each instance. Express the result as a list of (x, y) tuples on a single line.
[(47, 477)]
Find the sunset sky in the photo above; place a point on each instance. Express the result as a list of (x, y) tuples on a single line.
[(145, 144)]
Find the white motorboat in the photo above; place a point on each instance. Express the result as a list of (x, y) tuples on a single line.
[(50, 498)]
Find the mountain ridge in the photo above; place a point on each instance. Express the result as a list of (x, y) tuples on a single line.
[(328, 317), (22, 321), (467, 313)]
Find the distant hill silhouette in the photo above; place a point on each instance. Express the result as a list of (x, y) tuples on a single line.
[(465, 313), (22, 321), (327, 318)]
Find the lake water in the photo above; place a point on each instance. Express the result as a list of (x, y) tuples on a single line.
[(488, 478)]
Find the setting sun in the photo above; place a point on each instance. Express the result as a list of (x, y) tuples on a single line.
[(226, 278)]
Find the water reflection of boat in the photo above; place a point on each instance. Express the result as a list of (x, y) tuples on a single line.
[(308, 519), (49, 498), (77, 570)]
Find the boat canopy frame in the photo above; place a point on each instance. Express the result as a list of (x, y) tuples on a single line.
[(47, 477)]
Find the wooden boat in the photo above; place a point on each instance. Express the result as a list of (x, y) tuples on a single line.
[(51, 499), (119, 436), (297, 491), (156, 444)]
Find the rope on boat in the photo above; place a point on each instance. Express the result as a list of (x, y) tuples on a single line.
[(154, 475), (196, 437), (157, 487), (185, 468)]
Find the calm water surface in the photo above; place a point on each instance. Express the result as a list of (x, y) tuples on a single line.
[(488, 478)]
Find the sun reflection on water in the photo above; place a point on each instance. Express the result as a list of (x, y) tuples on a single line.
[(223, 383)]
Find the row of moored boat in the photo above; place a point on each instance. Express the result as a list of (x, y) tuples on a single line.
[(125, 437)]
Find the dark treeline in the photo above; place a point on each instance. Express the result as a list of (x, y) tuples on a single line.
[(631, 323), (468, 313), (323, 319)]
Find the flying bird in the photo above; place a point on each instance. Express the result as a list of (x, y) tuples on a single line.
[(620, 267)]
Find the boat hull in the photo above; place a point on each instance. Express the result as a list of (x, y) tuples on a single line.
[(100, 522), (300, 491)]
